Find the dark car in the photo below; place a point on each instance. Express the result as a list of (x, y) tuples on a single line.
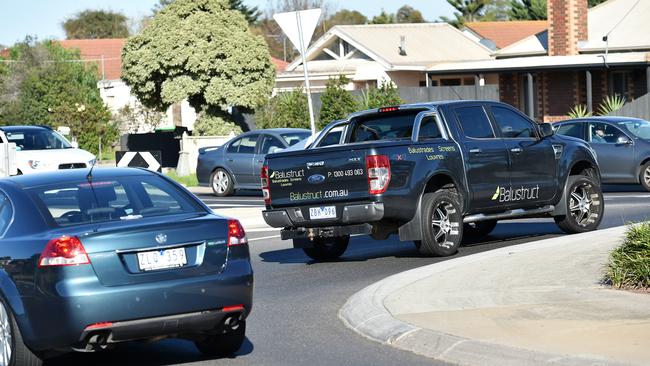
[(622, 145), (92, 260), (237, 164)]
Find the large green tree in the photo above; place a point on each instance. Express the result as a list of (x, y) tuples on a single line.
[(44, 86), (527, 9), (383, 18), (407, 14), (93, 24), (466, 11), (202, 51), (337, 102), (345, 17), (252, 13), (288, 109)]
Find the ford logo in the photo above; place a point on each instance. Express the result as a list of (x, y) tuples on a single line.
[(316, 179)]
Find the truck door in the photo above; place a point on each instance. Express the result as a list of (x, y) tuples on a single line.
[(486, 157), (533, 167)]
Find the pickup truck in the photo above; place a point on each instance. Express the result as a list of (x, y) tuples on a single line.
[(430, 173)]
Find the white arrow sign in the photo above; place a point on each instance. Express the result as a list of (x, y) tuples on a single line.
[(152, 163), (295, 22), (299, 26)]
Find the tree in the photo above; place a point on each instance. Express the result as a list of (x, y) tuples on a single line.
[(345, 17), (201, 51), (406, 14), (252, 14), (284, 110), (527, 9), (383, 18), (215, 123), (137, 118), (496, 10), (337, 102), (43, 87), (386, 95), (94, 24), (467, 11)]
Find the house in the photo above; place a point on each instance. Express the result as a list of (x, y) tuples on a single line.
[(584, 56), (497, 35), (369, 54), (107, 55)]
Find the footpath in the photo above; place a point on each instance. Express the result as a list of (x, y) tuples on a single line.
[(538, 303)]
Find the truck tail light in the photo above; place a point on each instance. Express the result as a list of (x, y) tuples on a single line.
[(236, 233), (378, 170), (63, 251), (266, 188)]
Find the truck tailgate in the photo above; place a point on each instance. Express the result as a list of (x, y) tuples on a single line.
[(318, 176)]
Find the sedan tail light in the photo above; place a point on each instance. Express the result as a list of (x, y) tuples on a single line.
[(266, 185), (378, 170), (63, 251), (236, 233)]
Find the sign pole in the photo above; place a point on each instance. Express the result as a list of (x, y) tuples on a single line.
[(310, 104)]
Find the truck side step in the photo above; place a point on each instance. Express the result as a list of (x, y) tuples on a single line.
[(511, 214)]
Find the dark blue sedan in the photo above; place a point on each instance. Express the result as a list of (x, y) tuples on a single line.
[(237, 164), (92, 260), (622, 146)]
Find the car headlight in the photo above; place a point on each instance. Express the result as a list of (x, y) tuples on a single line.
[(92, 162), (34, 164)]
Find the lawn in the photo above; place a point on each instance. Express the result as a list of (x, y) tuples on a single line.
[(629, 264), (188, 181)]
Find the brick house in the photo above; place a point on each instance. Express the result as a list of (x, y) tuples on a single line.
[(583, 56)]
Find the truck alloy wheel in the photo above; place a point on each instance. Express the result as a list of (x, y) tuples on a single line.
[(442, 224), (584, 206)]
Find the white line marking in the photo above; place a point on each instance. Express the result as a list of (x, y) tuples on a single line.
[(261, 230), (233, 206)]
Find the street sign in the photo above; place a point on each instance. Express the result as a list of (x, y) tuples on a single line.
[(139, 159), (299, 27)]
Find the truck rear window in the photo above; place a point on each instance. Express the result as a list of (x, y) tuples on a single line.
[(384, 126)]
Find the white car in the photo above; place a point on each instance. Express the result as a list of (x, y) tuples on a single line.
[(41, 149)]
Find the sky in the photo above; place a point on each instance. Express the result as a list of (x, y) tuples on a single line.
[(43, 18)]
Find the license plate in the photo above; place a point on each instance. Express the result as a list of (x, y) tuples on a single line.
[(162, 259), (327, 212)]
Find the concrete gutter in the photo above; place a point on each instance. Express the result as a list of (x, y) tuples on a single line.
[(367, 312)]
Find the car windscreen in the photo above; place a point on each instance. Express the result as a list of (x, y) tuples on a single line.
[(384, 126), (37, 139), (639, 128), (125, 198), (293, 138)]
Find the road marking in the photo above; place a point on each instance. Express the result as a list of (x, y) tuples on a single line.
[(260, 230), (630, 196), (264, 237), (233, 206)]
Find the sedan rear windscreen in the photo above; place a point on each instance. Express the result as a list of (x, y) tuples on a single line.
[(126, 198)]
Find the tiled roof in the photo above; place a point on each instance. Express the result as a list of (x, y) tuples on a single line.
[(280, 65), (505, 33), (4, 53), (110, 50)]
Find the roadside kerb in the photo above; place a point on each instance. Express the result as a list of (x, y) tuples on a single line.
[(366, 314)]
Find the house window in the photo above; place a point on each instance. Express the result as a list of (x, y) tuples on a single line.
[(450, 82), (468, 81), (619, 84)]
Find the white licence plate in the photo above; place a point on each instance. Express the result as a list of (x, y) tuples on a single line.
[(162, 259), (327, 212)]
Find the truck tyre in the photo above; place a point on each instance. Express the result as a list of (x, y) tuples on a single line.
[(585, 206), (327, 249), (442, 224), (478, 230), (223, 344), (644, 176), (221, 183)]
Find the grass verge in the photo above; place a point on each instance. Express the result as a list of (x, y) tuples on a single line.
[(188, 181), (629, 264)]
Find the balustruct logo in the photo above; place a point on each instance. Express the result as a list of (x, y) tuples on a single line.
[(510, 194)]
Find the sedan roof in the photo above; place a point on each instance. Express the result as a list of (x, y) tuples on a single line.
[(69, 175)]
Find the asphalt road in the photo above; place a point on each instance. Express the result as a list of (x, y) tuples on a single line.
[(294, 320)]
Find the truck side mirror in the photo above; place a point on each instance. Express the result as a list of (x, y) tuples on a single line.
[(546, 130), (74, 144)]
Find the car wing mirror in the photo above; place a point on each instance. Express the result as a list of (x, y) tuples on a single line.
[(74, 144), (623, 140), (546, 130), (274, 149)]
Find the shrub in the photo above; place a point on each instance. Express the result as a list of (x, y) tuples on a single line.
[(629, 264), (386, 95), (610, 104), (215, 123), (284, 110), (579, 111), (337, 102)]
